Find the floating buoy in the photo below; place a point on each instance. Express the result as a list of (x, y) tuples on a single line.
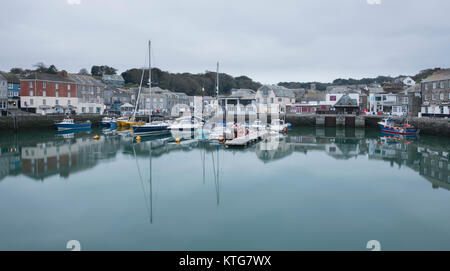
[(96, 137), (177, 140), (138, 138), (221, 140)]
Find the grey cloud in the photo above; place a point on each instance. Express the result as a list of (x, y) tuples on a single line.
[(270, 41)]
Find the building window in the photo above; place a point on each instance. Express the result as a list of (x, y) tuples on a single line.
[(68, 102), (433, 96), (434, 85), (56, 86), (405, 100), (44, 102), (279, 100), (271, 100), (44, 85), (257, 100), (333, 98), (10, 86), (31, 101), (441, 85), (31, 84), (31, 93), (44, 93), (68, 94), (441, 96), (57, 94), (56, 102), (98, 110), (68, 86), (83, 109)]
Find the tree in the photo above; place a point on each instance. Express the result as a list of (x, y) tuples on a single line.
[(83, 71), (52, 69), (101, 70), (40, 67), (17, 71)]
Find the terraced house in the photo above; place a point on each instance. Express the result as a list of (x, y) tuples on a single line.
[(44, 93), (90, 93), (13, 89), (436, 94), (3, 95)]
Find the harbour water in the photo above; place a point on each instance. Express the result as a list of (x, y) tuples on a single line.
[(314, 189)]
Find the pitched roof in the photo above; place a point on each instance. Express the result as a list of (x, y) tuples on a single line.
[(439, 75), (346, 101), (279, 91), (85, 80), (47, 77), (10, 77)]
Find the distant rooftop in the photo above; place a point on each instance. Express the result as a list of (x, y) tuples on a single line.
[(279, 91), (85, 80), (437, 76), (11, 78), (48, 77)]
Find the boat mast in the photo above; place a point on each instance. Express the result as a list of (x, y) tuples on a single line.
[(217, 82), (150, 78)]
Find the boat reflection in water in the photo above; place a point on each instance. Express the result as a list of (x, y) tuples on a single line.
[(77, 150), (167, 194)]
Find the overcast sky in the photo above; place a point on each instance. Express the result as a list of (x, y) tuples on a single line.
[(269, 41)]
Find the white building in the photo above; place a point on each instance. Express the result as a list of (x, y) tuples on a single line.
[(269, 97), (408, 81), (381, 102)]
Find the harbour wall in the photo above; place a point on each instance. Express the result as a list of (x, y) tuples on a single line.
[(430, 126), (41, 122)]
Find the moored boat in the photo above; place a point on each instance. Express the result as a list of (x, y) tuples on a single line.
[(68, 123), (278, 126), (154, 127), (390, 126)]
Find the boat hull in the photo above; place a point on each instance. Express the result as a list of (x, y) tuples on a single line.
[(150, 130), (70, 126), (398, 130)]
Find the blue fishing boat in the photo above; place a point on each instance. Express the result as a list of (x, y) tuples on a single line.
[(68, 124), (389, 125), (108, 123)]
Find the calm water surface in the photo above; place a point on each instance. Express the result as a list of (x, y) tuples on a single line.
[(316, 189)]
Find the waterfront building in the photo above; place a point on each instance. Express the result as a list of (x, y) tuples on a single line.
[(304, 108), (114, 80), (13, 90), (436, 94), (382, 103), (273, 96), (161, 101), (3, 95), (90, 93), (408, 102), (347, 105), (239, 102), (334, 96), (44, 93)]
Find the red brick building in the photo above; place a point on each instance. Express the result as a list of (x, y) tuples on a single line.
[(48, 93)]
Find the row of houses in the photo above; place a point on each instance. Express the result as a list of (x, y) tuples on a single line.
[(63, 93), (74, 93)]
